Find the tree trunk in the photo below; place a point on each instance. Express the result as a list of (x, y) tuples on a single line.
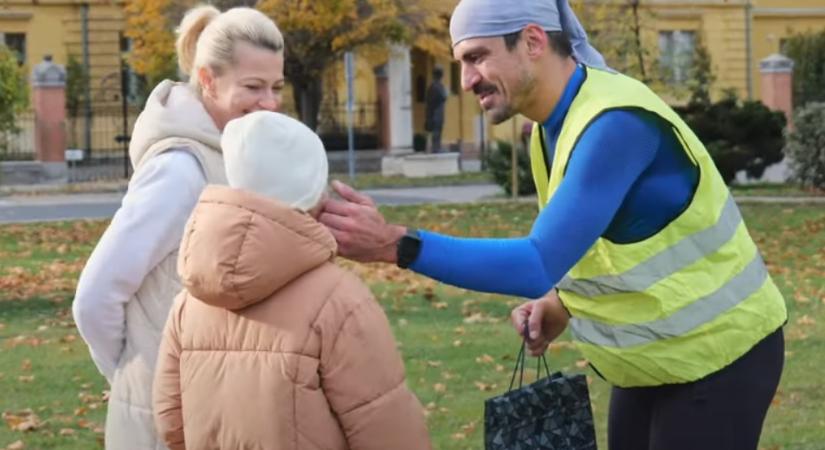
[(307, 96), (637, 32)]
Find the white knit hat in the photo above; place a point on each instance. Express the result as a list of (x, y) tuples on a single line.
[(276, 156)]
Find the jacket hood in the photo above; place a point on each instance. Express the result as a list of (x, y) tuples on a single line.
[(173, 110), (239, 248)]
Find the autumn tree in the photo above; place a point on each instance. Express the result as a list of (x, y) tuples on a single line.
[(149, 26), (14, 94), (623, 31), (319, 32)]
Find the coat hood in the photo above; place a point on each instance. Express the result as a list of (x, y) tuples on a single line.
[(173, 110), (239, 248)]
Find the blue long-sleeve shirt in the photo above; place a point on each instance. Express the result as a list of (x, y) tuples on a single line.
[(627, 178)]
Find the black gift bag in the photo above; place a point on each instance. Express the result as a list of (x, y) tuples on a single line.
[(551, 414)]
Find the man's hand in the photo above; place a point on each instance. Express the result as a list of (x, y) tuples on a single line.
[(546, 319), (360, 229)]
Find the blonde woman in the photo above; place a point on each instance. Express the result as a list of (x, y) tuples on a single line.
[(235, 64)]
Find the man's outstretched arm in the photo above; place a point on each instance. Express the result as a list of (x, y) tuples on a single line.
[(600, 174)]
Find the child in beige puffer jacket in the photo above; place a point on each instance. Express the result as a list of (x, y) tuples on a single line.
[(271, 345)]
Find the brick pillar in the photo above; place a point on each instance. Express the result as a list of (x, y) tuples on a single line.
[(49, 98), (383, 103), (777, 84)]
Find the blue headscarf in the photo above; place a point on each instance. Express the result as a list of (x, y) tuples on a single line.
[(488, 18)]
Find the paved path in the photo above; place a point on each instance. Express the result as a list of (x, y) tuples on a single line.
[(22, 209)]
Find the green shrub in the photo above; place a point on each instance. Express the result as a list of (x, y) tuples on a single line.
[(498, 160), (807, 50), (738, 135), (14, 95), (806, 146)]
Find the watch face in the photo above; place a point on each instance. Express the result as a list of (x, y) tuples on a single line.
[(408, 248)]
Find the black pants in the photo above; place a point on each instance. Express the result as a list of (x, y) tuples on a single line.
[(435, 145), (723, 411)]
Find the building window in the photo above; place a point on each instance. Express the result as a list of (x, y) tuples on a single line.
[(676, 54), (16, 42)]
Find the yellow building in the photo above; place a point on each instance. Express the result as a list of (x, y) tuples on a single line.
[(737, 33), (36, 28)]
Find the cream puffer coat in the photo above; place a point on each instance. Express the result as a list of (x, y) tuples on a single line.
[(174, 118)]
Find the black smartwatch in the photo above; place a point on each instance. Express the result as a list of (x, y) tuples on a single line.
[(408, 248)]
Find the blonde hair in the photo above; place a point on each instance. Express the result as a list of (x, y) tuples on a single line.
[(207, 38)]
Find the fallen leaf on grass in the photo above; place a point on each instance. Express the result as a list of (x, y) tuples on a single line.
[(581, 364), (86, 424), (67, 432), (25, 420), (447, 375), (777, 397), (25, 378), (429, 295), (801, 298), (440, 388), (805, 320), (26, 365), (434, 363), (469, 428), (457, 343), (459, 436), (17, 445), (484, 359), (440, 305), (480, 318), (484, 387)]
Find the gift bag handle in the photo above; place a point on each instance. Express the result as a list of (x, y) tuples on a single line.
[(521, 362)]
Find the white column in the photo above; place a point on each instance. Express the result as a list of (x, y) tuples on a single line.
[(399, 73)]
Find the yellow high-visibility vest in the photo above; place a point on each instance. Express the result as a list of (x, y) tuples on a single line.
[(681, 304)]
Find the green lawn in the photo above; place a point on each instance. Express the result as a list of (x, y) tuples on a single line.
[(774, 190), (458, 346)]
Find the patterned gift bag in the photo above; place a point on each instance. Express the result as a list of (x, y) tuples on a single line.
[(551, 414)]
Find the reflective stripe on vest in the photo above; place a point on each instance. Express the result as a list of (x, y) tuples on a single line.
[(668, 262), (695, 314)]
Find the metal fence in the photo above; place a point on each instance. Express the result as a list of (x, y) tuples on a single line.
[(103, 144), (19, 145), (366, 123), (101, 147)]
